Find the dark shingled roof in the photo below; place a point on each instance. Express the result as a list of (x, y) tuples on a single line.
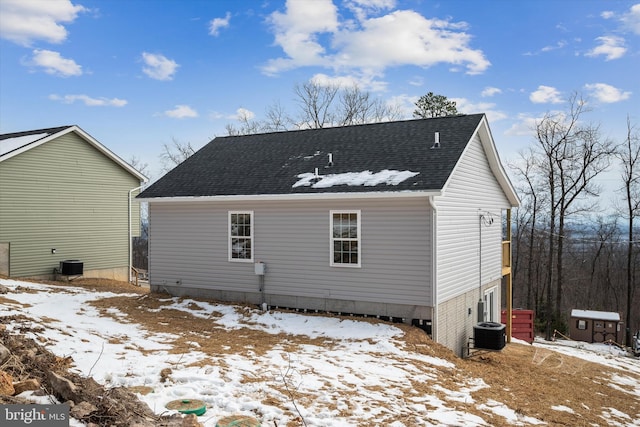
[(6, 138), (270, 163), (48, 131)]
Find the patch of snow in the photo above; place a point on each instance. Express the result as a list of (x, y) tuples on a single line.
[(513, 417), (365, 178), (599, 315), (605, 354), (358, 355), (562, 408), (616, 418)]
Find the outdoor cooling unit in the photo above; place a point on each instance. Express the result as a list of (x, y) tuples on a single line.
[(489, 336), (71, 267)]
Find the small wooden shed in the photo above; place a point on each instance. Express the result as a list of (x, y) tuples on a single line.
[(596, 326)]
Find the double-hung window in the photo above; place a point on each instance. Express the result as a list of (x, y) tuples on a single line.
[(241, 236), (345, 238)]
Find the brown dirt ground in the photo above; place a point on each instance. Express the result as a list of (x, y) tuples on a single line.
[(528, 379)]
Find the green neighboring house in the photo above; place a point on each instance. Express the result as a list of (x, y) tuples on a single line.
[(65, 197)]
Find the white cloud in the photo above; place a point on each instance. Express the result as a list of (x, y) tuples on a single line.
[(631, 19), (606, 93), (465, 106), (362, 8), (490, 91), (181, 112), (524, 126), (558, 45), (372, 44), (244, 114), (416, 81), (365, 82), (88, 101), (158, 66), (405, 104), (296, 33), (607, 14), (545, 95), (24, 21), (612, 47), (55, 64), (218, 23)]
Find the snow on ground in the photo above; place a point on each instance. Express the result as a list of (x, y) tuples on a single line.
[(604, 354), (124, 354)]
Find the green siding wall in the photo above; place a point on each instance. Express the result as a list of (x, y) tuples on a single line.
[(67, 195)]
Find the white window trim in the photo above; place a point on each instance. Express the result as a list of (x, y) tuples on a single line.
[(230, 237), (331, 239), (491, 301)]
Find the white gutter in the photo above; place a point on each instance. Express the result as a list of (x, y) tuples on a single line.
[(295, 196), (130, 231), (434, 267)]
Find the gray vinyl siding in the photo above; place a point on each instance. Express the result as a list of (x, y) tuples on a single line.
[(188, 248), (472, 189), (67, 195)]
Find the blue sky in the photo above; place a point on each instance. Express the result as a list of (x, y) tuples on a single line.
[(138, 74)]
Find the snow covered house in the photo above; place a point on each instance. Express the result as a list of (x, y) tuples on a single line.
[(65, 197), (398, 219)]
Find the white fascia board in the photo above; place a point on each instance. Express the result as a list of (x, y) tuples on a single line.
[(494, 162), (292, 197)]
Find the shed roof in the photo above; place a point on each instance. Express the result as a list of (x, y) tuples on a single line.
[(382, 157), (16, 143), (596, 315)]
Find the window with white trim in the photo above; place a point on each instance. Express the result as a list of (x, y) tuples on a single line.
[(240, 236), (491, 305), (345, 238)]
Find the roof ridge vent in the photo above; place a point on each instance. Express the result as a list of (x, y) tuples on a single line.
[(436, 141)]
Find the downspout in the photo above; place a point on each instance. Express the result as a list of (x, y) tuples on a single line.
[(434, 267), (481, 307), (509, 282), (130, 231)]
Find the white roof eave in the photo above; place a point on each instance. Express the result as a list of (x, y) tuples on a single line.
[(293, 197)]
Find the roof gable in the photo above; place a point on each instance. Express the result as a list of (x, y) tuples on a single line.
[(381, 157), (18, 141), (495, 165), (14, 144)]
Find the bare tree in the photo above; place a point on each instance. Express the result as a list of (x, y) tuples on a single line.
[(277, 119), (320, 106), (357, 107), (173, 155), (527, 220), (572, 156), (139, 165), (248, 126), (316, 101), (629, 156), (432, 105)]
